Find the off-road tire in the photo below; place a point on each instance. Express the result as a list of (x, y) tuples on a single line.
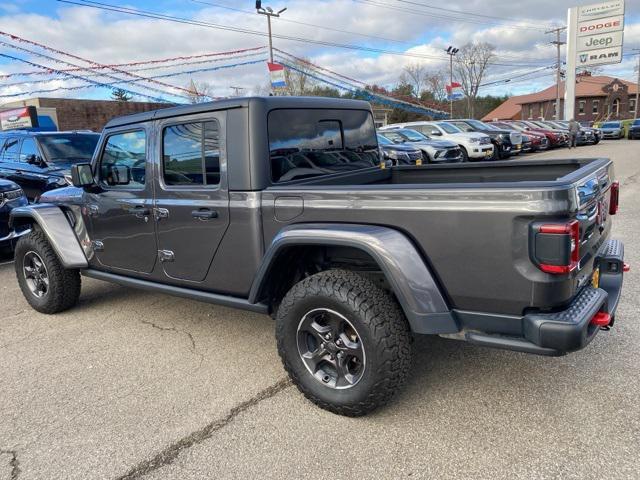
[(380, 323), (64, 284)]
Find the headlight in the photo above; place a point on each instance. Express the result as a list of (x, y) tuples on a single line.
[(10, 195), (439, 153), (474, 140), (393, 154)]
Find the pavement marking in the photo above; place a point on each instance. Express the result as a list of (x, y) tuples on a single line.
[(170, 453), (6, 263)]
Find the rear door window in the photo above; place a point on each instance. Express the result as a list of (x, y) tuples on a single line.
[(28, 149), (191, 154), (308, 143)]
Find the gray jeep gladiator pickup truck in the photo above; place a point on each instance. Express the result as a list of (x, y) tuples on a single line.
[(281, 205)]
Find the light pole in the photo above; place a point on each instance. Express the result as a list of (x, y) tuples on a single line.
[(451, 51), (268, 12), (635, 114)]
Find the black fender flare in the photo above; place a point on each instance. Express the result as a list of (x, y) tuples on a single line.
[(409, 277), (55, 225)]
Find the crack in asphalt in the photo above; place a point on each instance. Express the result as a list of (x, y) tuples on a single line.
[(170, 453), (14, 463), (194, 349)]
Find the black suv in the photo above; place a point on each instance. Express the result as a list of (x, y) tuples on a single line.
[(11, 196), (505, 142), (39, 161)]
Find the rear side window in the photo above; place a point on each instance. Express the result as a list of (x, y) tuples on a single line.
[(191, 154), (308, 143), (11, 150), (128, 150)]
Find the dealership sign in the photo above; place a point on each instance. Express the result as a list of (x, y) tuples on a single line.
[(599, 33), (454, 91), (26, 117)]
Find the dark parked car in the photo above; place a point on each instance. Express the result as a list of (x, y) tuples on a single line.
[(350, 258), (614, 130), (634, 129), (399, 154), (505, 142), (39, 161), (11, 196), (537, 140)]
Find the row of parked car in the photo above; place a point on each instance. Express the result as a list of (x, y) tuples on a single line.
[(462, 140)]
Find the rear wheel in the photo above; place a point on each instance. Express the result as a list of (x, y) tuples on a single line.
[(343, 341), (46, 285)]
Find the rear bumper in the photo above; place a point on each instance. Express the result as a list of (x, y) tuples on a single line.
[(567, 330)]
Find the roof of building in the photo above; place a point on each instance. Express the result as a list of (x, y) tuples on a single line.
[(586, 86), (507, 110)]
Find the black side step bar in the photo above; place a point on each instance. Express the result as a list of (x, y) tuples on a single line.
[(510, 343), (197, 295)]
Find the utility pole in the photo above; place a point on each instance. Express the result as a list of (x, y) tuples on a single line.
[(268, 12), (558, 44), (237, 90), (451, 51), (635, 114)]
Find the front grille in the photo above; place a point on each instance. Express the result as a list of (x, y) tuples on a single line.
[(485, 141), (516, 138), (413, 156), (452, 153)]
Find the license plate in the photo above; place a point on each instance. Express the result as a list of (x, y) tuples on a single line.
[(518, 148), (595, 278)]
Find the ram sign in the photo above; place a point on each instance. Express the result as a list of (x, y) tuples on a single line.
[(599, 33)]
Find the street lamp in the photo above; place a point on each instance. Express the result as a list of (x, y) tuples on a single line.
[(268, 12), (451, 51)]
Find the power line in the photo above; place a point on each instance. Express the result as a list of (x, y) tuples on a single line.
[(157, 16)]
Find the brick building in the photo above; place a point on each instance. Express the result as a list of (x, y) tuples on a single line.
[(75, 114), (597, 98)]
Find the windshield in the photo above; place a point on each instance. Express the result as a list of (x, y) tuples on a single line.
[(313, 142), (382, 140), (447, 127), (68, 147), (477, 124), (515, 126), (610, 125), (412, 135), (492, 127), (636, 122)]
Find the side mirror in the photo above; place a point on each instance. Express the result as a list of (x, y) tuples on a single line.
[(81, 175), (34, 159), (118, 175), (437, 133)]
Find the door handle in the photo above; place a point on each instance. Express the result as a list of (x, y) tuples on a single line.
[(204, 214), (139, 211)]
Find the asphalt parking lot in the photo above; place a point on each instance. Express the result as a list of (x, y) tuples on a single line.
[(137, 385)]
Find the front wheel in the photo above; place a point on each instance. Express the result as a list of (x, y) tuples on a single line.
[(344, 342), (46, 285)]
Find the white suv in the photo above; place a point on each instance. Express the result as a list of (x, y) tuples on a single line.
[(474, 145)]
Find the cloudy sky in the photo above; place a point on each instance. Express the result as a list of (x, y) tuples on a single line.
[(383, 36)]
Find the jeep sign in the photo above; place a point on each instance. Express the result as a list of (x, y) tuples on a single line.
[(594, 42)]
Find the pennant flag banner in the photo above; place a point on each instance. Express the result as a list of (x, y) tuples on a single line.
[(276, 71), (454, 91)]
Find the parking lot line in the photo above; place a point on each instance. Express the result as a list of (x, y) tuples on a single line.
[(6, 263)]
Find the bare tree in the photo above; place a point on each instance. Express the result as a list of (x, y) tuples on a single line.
[(471, 63), (414, 75), (199, 92), (298, 80), (435, 85)]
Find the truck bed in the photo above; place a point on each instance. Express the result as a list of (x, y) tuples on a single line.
[(460, 215)]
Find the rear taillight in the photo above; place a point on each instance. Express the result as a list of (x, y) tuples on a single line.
[(557, 247), (615, 198)]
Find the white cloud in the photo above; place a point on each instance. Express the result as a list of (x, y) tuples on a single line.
[(111, 38)]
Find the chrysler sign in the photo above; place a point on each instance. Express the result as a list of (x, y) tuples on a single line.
[(601, 10)]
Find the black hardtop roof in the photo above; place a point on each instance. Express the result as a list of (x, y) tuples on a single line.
[(268, 103)]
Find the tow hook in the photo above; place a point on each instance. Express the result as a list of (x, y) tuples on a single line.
[(602, 320), (626, 267)]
